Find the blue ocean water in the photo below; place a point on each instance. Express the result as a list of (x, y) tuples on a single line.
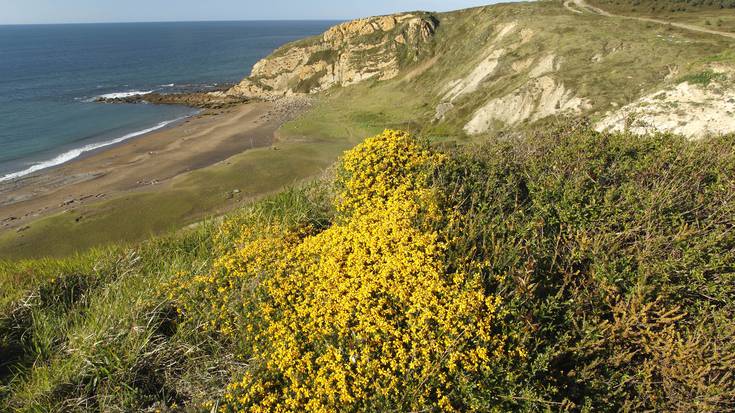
[(49, 75)]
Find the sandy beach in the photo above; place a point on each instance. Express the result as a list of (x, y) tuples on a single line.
[(145, 162)]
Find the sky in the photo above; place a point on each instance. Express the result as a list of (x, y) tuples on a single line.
[(89, 11)]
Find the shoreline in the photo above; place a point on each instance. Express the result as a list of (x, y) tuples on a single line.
[(85, 153), (142, 163), (196, 100)]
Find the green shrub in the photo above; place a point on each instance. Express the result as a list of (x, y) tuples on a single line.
[(329, 55), (617, 254), (703, 78)]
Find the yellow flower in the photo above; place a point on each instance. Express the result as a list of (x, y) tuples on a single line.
[(370, 312)]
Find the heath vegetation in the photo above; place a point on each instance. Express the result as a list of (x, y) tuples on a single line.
[(563, 270)]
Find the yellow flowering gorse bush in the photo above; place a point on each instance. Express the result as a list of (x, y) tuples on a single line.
[(372, 172), (368, 314), (221, 296)]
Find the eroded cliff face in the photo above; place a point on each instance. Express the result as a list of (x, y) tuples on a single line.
[(352, 52), (688, 109), (496, 68)]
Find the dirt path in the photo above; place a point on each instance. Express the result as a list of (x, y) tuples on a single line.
[(567, 5), (582, 4)]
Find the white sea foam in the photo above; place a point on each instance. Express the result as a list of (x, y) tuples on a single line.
[(120, 95), (75, 153), (169, 85)]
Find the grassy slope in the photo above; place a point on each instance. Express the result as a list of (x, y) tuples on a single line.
[(110, 344), (186, 200), (634, 62), (667, 6), (97, 331), (95, 323), (710, 16)]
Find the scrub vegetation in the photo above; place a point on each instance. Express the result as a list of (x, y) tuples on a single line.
[(535, 266), (563, 269)]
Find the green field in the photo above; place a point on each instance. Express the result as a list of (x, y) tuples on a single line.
[(712, 15)]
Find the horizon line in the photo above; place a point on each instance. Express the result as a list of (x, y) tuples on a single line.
[(177, 21)]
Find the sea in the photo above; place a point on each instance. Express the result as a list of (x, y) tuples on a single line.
[(50, 76)]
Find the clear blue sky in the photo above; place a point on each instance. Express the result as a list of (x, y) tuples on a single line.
[(85, 11)]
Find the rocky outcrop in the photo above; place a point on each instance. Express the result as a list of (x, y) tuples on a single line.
[(373, 48), (535, 100), (688, 109), (471, 82), (484, 71), (203, 100)]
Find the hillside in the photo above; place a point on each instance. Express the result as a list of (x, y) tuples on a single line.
[(712, 17), (519, 207), (665, 6), (568, 270), (489, 69)]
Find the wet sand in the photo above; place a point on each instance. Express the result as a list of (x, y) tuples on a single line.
[(143, 163)]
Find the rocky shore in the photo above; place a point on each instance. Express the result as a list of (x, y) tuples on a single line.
[(202, 100), (375, 48)]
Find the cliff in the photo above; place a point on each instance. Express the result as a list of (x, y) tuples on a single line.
[(353, 52)]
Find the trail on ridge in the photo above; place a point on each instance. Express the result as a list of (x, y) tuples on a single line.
[(582, 4)]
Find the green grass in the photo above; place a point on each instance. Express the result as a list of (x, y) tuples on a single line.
[(114, 324), (363, 110), (703, 78), (616, 257), (721, 20), (666, 6), (95, 331), (705, 14), (727, 56), (187, 200)]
